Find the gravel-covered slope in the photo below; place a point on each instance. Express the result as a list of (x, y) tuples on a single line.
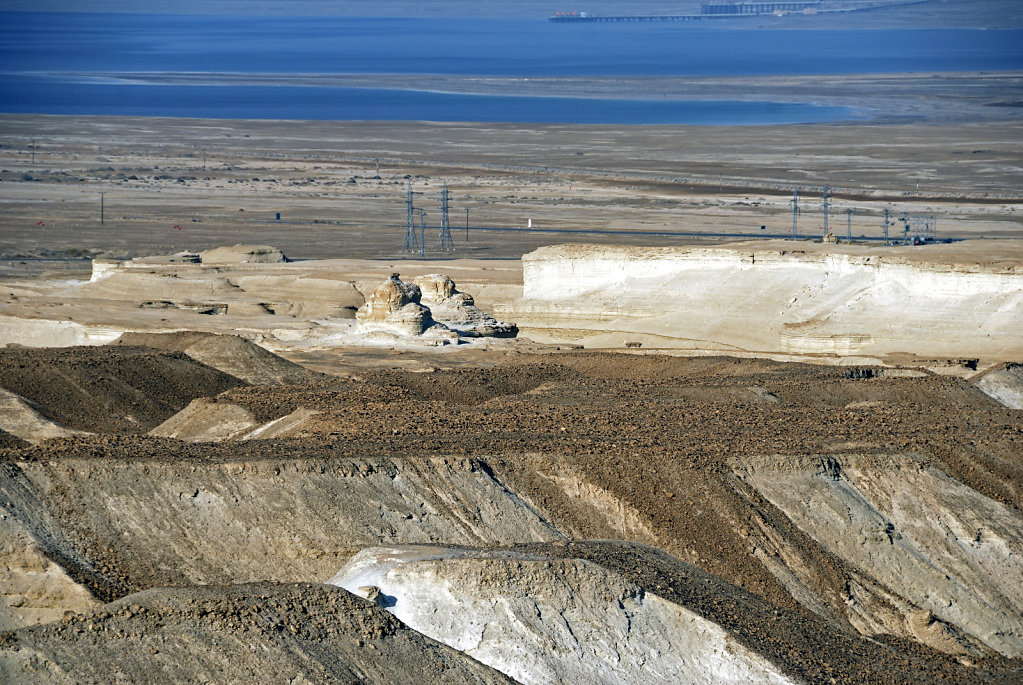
[(258, 633), (108, 389)]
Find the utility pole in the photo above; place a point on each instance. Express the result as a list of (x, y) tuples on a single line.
[(795, 213), (885, 226), (33, 152), (204, 159), (102, 209), (848, 226)]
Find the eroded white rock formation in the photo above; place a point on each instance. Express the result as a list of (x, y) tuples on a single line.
[(243, 254), (780, 297), (429, 307), (540, 620), (458, 310), (394, 304)]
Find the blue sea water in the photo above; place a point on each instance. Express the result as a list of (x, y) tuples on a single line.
[(54, 63)]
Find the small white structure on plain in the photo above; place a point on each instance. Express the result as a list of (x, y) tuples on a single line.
[(529, 223)]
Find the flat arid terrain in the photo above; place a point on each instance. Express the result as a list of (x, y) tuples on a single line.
[(172, 185), (626, 430)]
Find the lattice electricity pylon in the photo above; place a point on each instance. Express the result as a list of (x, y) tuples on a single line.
[(422, 233), (410, 243), (444, 241), (795, 213), (825, 206)]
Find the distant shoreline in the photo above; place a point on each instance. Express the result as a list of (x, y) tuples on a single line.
[(947, 97)]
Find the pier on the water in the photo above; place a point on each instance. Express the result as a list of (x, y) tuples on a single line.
[(731, 10), (708, 10)]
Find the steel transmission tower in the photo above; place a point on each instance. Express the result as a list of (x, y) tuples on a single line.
[(422, 233), (825, 206), (795, 214), (885, 226), (411, 242), (848, 226), (444, 239)]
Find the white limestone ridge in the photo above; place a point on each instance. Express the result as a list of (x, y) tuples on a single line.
[(783, 297), (540, 620)]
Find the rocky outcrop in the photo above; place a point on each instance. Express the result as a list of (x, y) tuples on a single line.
[(458, 310), (430, 307), (1004, 385), (19, 419), (194, 521), (947, 557), (243, 254), (115, 389), (394, 305), (206, 420), (35, 559), (230, 354)]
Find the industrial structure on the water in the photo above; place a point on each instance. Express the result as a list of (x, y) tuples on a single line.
[(726, 10)]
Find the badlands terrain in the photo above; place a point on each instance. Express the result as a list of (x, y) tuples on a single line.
[(241, 449)]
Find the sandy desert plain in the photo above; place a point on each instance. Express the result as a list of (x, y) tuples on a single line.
[(705, 457)]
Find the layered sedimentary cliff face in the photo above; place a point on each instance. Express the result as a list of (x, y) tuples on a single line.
[(779, 297)]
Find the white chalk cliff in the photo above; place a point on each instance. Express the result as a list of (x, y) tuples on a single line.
[(779, 297)]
